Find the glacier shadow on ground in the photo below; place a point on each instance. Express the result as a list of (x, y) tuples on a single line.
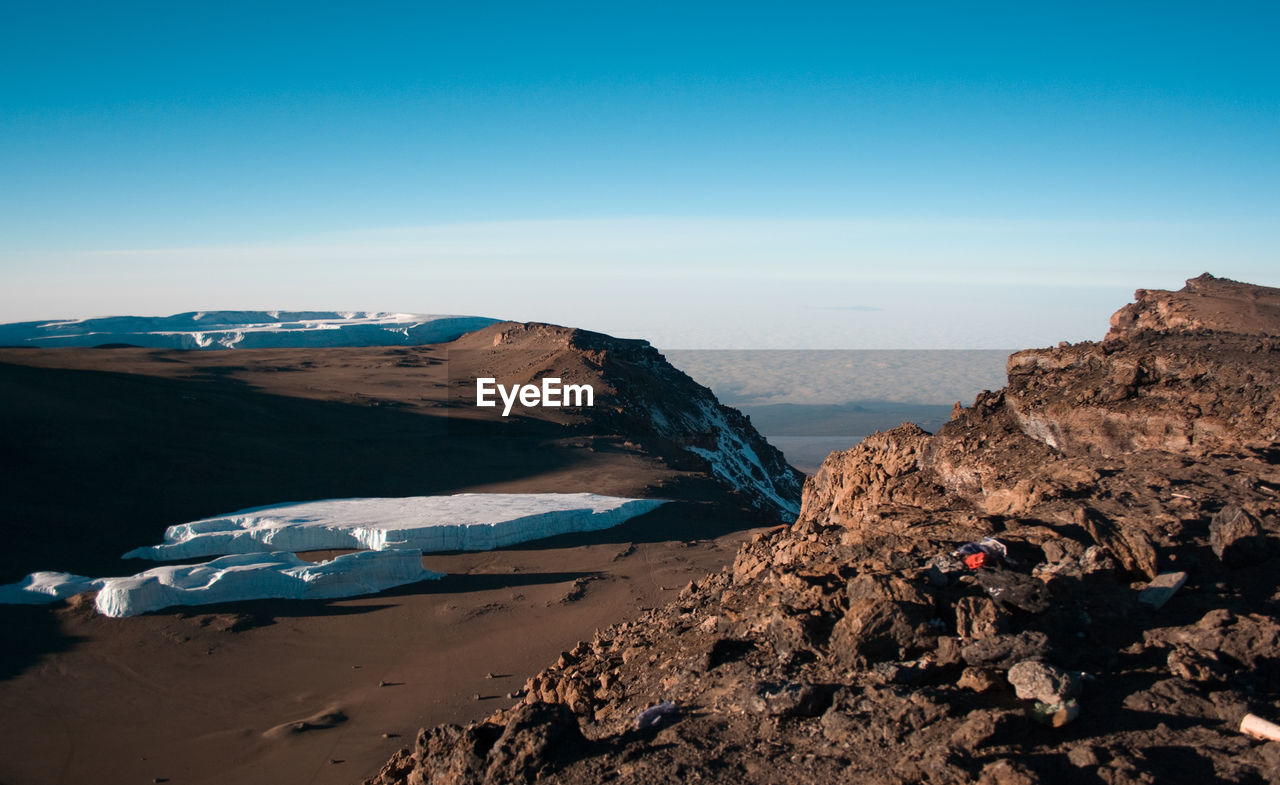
[(30, 632), (106, 461), (100, 462), (34, 631), (674, 521)]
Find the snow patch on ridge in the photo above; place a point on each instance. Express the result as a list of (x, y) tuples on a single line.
[(736, 462), (463, 522), (732, 458)]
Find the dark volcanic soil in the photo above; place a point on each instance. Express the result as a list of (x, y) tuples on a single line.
[(103, 448), (192, 695), (854, 646)]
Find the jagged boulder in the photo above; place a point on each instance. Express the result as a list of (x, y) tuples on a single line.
[(1040, 681), (1236, 537), (887, 619), (851, 482), (533, 738)]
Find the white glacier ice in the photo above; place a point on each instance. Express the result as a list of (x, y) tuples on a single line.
[(392, 533), (463, 522), (42, 587), (246, 330), (229, 579), (261, 576)]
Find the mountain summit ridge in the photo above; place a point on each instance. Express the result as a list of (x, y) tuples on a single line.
[(641, 395), (1205, 303)]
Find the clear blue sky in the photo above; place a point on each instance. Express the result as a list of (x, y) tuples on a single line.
[(738, 174)]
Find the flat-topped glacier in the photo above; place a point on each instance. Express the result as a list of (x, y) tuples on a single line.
[(41, 587), (462, 522), (246, 330), (230, 579)]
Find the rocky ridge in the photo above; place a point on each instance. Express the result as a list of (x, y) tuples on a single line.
[(641, 395), (1072, 581)]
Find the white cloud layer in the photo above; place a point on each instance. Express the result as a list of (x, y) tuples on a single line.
[(682, 283)]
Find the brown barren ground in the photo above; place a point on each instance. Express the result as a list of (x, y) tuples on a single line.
[(105, 447)]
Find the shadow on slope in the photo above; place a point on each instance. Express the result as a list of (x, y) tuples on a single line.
[(98, 463), (858, 418), (31, 631)]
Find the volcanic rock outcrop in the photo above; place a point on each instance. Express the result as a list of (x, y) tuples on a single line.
[(639, 394), (1072, 581)]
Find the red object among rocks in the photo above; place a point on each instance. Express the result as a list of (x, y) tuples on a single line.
[(977, 560)]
